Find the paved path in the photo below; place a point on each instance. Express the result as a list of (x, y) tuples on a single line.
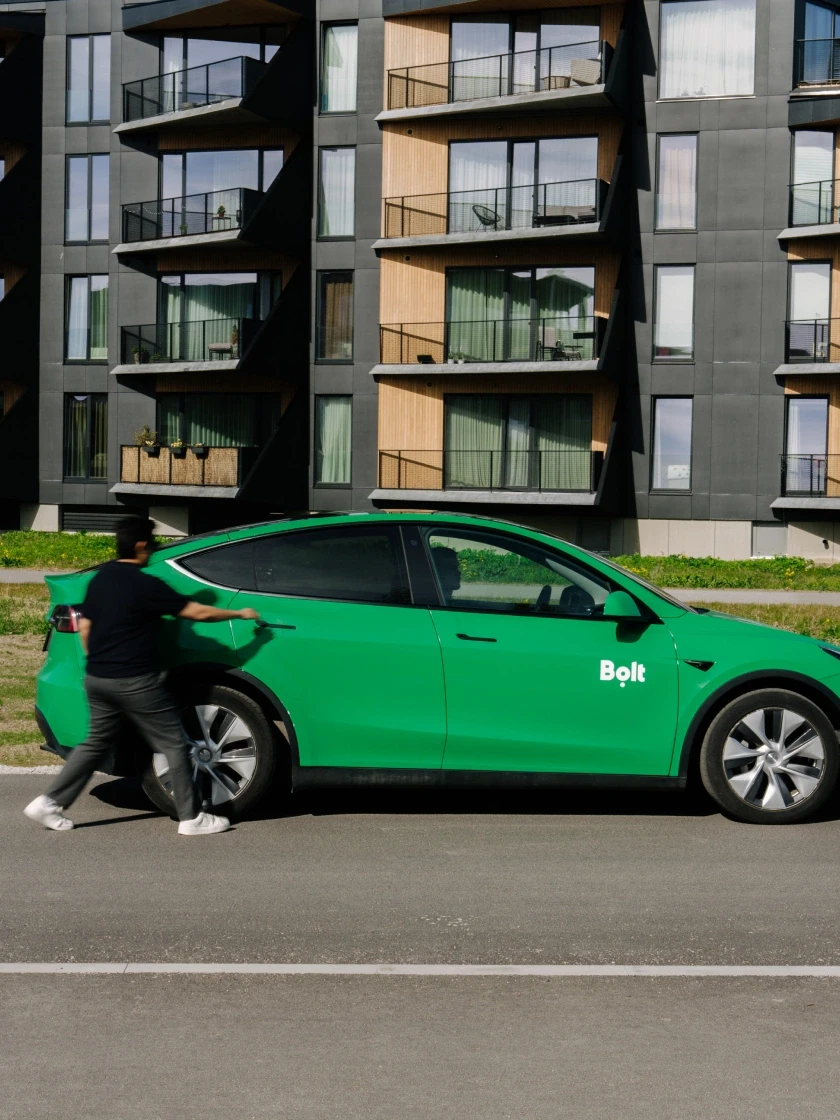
[(749, 595), (26, 575)]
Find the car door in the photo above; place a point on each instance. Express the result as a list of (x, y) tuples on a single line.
[(356, 665), (536, 678)]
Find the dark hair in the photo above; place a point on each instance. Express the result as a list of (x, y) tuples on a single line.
[(131, 530)]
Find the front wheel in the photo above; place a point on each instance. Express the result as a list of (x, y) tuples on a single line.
[(770, 757), (232, 747)]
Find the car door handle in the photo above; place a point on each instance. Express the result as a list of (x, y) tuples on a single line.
[(473, 638), (275, 625)]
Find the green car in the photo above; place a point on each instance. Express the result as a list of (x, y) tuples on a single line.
[(450, 649)]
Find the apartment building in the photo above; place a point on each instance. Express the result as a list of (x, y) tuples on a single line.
[(571, 265)]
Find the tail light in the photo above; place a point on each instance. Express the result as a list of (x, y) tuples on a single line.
[(65, 619)]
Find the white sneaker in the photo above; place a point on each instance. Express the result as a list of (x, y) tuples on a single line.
[(203, 825), (48, 813)]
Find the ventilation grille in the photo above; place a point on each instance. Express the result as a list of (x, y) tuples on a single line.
[(94, 519)]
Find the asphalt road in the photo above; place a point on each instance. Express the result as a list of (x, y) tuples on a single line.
[(457, 878)]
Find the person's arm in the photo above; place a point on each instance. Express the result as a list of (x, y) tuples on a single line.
[(84, 632), (198, 612)]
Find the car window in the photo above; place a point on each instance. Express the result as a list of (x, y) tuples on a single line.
[(356, 564), (485, 571), (230, 565)]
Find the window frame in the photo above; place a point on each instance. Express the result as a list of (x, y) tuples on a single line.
[(91, 54), (677, 229), (806, 397), (318, 209), (68, 287), (89, 157), (706, 96), (183, 152), (320, 280), (669, 359), (86, 477), (322, 112), (654, 401), (318, 485), (791, 266)]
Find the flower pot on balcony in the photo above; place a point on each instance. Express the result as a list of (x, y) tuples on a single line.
[(151, 449), (200, 450), (178, 452)]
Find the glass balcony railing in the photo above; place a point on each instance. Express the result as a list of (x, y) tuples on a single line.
[(572, 66), (814, 476), (811, 340), (549, 338), (816, 62), (212, 212), (576, 471), (573, 202), (202, 340), (191, 88), (812, 204)]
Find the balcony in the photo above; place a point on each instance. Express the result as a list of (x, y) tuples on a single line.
[(502, 213), (504, 477), (816, 62), (210, 218), (204, 88), (215, 472), (554, 340), (810, 340), (573, 74), (202, 343), (813, 210)]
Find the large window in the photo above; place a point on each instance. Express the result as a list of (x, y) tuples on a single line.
[(805, 445), (671, 458), (206, 315), (818, 59), (518, 443), (88, 78), (181, 52), (333, 429), (86, 216), (706, 48), (673, 327), (339, 68), (217, 419), (86, 435), (812, 191), (808, 331), (676, 182), (87, 319), (334, 336), (197, 173), (337, 192)]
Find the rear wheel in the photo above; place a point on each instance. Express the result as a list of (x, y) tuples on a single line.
[(233, 749), (770, 757)]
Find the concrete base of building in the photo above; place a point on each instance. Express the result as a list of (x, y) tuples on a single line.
[(40, 517), (170, 521)]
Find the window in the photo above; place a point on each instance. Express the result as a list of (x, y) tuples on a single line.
[(182, 53), (671, 462), (333, 429), (334, 341), (87, 319), (337, 192), (210, 314), (486, 571), (676, 182), (86, 216), (812, 190), (88, 78), (706, 48), (517, 443), (818, 60), (216, 419), (673, 327), (809, 300), (86, 435), (806, 440), (205, 172), (338, 68), (232, 565)]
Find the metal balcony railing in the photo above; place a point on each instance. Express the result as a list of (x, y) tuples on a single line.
[(572, 202), (499, 75), (528, 471), (212, 212), (549, 338), (200, 340), (817, 476), (816, 62), (188, 466), (191, 88), (812, 204), (812, 340)]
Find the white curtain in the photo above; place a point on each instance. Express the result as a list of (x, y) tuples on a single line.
[(339, 76), (810, 285), (813, 177), (78, 318), (707, 48), (672, 444), (676, 196), (337, 192), (673, 330), (333, 425), (807, 426), (477, 184), (480, 56)]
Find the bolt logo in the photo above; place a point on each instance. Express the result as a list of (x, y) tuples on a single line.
[(624, 673)]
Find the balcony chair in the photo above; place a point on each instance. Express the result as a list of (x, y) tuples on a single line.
[(555, 81), (488, 218), (585, 71), (221, 350)]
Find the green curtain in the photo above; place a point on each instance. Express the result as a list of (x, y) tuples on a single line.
[(219, 419), (98, 318), (473, 441), (518, 451), (211, 312), (99, 436), (520, 317), (475, 303), (333, 426), (169, 418), (563, 427), (75, 437)]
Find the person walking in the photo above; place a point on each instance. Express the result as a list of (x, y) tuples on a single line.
[(119, 632)]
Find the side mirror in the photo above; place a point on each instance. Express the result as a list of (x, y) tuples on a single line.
[(621, 606)]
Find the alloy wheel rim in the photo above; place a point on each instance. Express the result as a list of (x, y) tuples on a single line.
[(773, 759), (222, 751)]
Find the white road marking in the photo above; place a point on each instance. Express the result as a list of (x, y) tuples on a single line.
[(573, 971)]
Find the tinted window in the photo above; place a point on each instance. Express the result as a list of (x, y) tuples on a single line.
[(361, 564), (231, 565)]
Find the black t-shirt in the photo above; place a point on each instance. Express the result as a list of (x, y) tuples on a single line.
[(124, 606)]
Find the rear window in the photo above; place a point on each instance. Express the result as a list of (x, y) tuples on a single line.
[(231, 565)]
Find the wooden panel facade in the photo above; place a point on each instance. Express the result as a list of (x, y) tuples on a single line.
[(11, 152), (228, 136), (227, 260), (10, 393), (11, 272), (824, 249)]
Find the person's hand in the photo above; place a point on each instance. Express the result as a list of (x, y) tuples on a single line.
[(250, 614)]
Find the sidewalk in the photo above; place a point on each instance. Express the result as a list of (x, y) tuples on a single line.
[(749, 595), (26, 575)]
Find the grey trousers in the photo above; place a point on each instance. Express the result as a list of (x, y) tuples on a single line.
[(145, 703)]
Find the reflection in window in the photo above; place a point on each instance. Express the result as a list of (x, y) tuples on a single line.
[(86, 435), (671, 465), (334, 340), (333, 427), (676, 182), (706, 48), (88, 78), (808, 329), (806, 444), (337, 192), (812, 193), (673, 328), (87, 198), (338, 68), (87, 318)]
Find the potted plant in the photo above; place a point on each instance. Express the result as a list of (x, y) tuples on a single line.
[(178, 448), (183, 228), (234, 342), (200, 450), (147, 441), (458, 357), (141, 354)]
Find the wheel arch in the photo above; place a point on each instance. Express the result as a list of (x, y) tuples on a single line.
[(811, 689)]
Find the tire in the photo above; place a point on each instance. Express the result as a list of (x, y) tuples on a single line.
[(770, 757), (242, 757)]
